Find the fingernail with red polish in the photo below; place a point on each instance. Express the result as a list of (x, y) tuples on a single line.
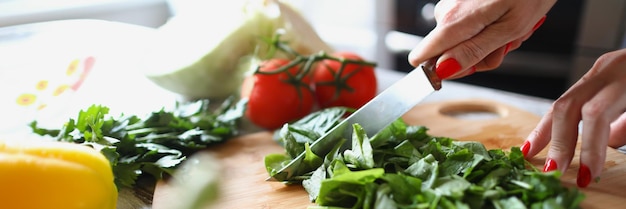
[(538, 24), (507, 48), (584, 176), (550, 165), (448, 68), (525, 148)]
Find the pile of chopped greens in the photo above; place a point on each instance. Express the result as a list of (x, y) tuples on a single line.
[(405, 167), (151, 146)]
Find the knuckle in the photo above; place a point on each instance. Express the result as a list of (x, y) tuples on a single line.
[(604, 59), (613, 58), (562, 106), (559, 146), (473, 51), (538, 134), (491, 62), (595, 110), (517, 30), (560, 149), (444, 10)]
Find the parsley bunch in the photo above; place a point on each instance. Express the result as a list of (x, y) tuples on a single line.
[(150, 146)]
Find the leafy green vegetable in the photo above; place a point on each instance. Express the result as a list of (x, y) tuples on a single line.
[(154, 145), (202, 56), (405, 167), (294, 138)]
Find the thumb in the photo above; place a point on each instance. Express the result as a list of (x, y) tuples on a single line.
[(431, 46)]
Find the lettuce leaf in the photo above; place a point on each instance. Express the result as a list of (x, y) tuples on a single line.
[(404, 167)]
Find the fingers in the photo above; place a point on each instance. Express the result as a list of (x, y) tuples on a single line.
[(617, 138), (598, 113), (486, 50), (565, 118), (492, 61), (560, 126), (599, 101), (482, 52), (539, 137), (456, 23), (435, 43)]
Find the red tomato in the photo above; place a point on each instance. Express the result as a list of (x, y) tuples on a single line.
[(275, 99), (352, 87)]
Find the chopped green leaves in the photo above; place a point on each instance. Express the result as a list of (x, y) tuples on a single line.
[(153, 145), (361, 153), (404, 167)]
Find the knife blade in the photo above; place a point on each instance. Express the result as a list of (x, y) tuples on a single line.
[(375, 115)]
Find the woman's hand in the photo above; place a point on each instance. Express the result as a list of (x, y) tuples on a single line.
[(474, 35), (598, 99)]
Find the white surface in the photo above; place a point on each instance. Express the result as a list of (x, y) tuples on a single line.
[(351, 25), (151, 13), (36, 52)]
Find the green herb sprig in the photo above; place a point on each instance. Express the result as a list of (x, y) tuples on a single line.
[(150, 146)]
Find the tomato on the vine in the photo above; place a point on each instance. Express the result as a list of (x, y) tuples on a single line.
[(351, 86), (276, 98)]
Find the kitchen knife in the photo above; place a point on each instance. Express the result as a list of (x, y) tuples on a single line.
[(375, 115)]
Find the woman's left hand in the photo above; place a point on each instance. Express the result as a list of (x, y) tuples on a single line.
[(598, 99)]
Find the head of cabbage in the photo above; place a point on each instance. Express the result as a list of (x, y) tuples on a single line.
[(205, 50)]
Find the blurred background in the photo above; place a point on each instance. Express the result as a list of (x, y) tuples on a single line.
[(574, 34)]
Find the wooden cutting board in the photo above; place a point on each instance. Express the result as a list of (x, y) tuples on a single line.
[(495, 124)]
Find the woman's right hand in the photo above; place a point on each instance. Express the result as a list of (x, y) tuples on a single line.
[(474, 35)]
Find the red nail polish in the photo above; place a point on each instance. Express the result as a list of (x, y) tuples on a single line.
[(448, 68), (550, 165), (538, 24), (525, 148), (584, 176), (507, 48)]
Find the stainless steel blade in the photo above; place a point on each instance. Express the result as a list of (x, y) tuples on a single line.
[(375, 115)]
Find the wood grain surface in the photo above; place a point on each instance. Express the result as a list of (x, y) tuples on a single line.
[(495, 124)]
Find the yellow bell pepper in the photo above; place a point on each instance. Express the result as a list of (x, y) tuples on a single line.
[(50, 175)]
